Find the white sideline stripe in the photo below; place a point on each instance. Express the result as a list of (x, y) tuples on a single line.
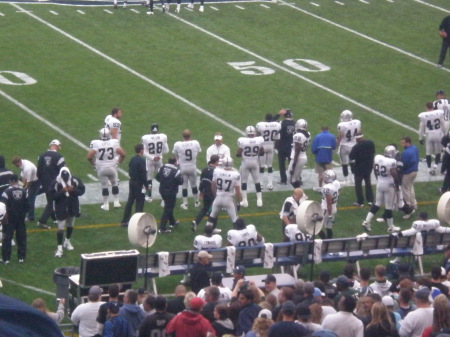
[(54, 13), (275, 65), (432, 6), (265, 6), (80, 11), (1, 14), (134, 10), (212, 7), (390, 1), (134, 72), (240, 7), (338, 2), (50, 124), (314, 4), (108, 11), (364, 2), (92, 177), (42, 291), (363, 35)]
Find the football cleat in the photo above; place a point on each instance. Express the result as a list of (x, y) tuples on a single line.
[(177, 10), (380, 220), (197, 203), (162, 203), (194, 226), (432, 172), (270, 187), (201, 9), (59, 252), (366, 225), (124, 4), (68, 245), (244, 203), (148, 199), (117, 204), (42, 225), (393, 229), (407, 216), (6, 262), (150, 13), (105, 207), (191, 6), (259, 203), (184, 206), (21, 260), (164, 231), (174, 224), (164, 8)]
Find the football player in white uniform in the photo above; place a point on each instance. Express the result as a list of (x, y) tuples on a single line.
[(288, 214), (330, 195), (208, 240), (186, 152), (243, 236), (293, 234), (299, 158), (155, 145), (225, 185), (104, 155), (442, 103), (218, 148), (424, 225), (269, 130), (112, 122), (348, 128), (385, 169), (250, 148), (432, 127)]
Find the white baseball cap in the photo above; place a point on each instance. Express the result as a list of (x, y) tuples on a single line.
[(55, 142), (218, 137)]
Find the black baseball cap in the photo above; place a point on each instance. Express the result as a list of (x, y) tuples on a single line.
[(270, 278), (440, 92), (239, 270)]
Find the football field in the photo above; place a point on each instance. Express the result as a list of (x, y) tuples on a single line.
[(64, 66)]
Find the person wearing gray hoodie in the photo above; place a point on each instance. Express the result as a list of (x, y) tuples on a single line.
[(131, 311)]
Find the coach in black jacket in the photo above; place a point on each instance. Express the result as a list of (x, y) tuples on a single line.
[(169, 177), (361, 158)]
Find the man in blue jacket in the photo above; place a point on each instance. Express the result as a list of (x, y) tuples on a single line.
[(132, 313), (322, 147), (410, 159)]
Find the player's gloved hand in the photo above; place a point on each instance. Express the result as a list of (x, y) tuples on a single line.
[(421, 142)]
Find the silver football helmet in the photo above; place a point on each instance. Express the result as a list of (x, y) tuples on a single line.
[(301, 124), (2, 210), (250, 131), (329, 176), (104, 134), (227, 162), (390, 151), (346, 116)]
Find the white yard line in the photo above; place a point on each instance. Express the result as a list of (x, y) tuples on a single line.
[(289, 71), (339, 3), (432, 6), (265, 6), (42, 291), (212, 7), (108, 11), (54, 13), (134, 72), (80, 11), (240, 7), (314, 4), (1, 14), (418, 58)]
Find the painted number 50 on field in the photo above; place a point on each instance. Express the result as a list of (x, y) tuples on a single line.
[(249, 67)]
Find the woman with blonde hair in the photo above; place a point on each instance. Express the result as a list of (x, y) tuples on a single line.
[(39, 304), (261, 324), (441, 317), (381, 324)]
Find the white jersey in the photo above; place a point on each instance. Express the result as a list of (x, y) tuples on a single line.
[(204, 242), (243, 237), (303, 140), (186, 152), (269, 131), (290, 206), (349, 130), (293, 234), (105, 152), (331, 189), (28, 171), (425, 226), (431, 122), (226, 180), (113, 123), (225, 294), (222, 151), (250, 148), (155, 144), (444, 105), (382, 168)]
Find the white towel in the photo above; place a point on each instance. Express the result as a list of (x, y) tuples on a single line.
[(163, 264), (60, 180), (361, 237), (231, 258), (418, 245), (268, 255), (317, 254)]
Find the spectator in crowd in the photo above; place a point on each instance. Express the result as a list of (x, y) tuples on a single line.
[(308, 290), (322, 147), (49, 164), (330, 289), (57, 316), (343, 323), (304, 317), (344, 287), (148, 306), (361, 163), (381, 324), (28, 176), (270, 285), (212, 295), (84, 316), (287, 326), (248, 313), (364, 277), (116, 325), (225, 292), (131, 311), (156, 324), (368, 302), (436, 280), (222, 324), (285, 294), (388, 301), (261, 325), (381, 285), (176, 304), (284, 143), (350, 271), (446, 260), (113, 292), (190, 323), (410, 160), (199, 273), (441, 317), (404, 302), (142, 295), (238, 274), (416, 321)]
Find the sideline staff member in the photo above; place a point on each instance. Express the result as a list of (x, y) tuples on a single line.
[(444, 32), (284, 144), (137, 169)]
